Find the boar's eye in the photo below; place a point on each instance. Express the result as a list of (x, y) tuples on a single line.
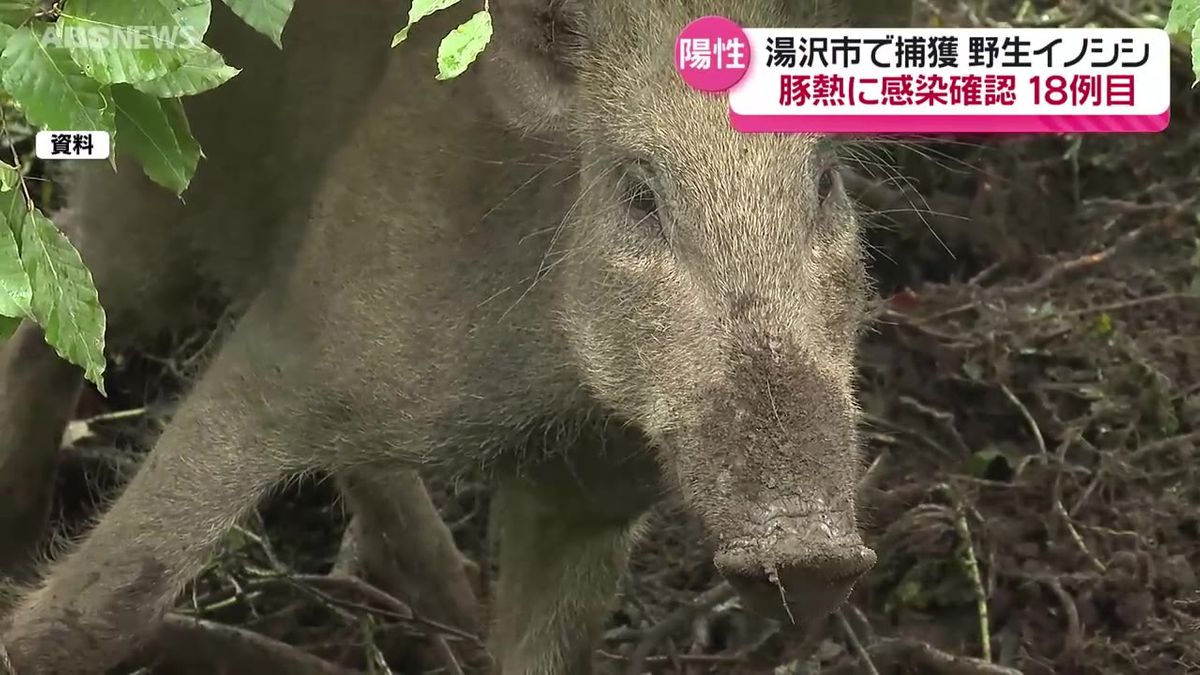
[(638, 195), (641, 198), (826, 182)]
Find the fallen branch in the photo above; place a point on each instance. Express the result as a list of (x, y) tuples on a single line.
[(971, 563), (1068, 267), (189, 646), (677, 620), (857, 644), (925, 659), (1192, 438), (1114, 306), (1074, 629), (697, 659)]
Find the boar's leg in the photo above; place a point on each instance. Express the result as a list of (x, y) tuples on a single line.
[(567, 527), (246, 426), (37, 394), (402, 545), (558, 573), (123, 228)]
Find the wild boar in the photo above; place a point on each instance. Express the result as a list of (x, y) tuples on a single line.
[(565, 267)]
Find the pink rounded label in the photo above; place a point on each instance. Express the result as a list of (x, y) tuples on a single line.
[(712, 54)]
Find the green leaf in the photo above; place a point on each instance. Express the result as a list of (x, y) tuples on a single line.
[(17, 12), (1185, 18), (65, 302), (157, 133), (990, 464), (6, 32), (9, 177), (419, 10), (265, 16), (203, 70), (13, 207), (1196, 50), (193, 13), (463, 45), (51, 88), (8, 326), (15, 291), (130, 40)]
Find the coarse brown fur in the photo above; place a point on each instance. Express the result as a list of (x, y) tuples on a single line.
[(595, 288)]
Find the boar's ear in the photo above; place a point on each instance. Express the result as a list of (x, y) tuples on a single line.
[(534, 60), (879, 13)]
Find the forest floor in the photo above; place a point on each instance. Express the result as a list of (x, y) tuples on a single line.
[(1032, 396)]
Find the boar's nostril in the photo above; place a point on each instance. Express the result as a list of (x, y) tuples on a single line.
[(840, 565)]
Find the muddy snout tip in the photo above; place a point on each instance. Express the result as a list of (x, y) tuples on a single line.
[(802, 583)]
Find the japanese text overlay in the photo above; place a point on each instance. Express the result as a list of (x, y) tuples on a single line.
[(940, 80)]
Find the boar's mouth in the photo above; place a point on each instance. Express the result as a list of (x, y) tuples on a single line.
[(796, 565)]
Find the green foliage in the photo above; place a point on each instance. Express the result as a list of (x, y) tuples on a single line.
[(265, 16), (42, 278), (148, 23), (930, 584), (16, 12), (118, 66), (122, 66), (1185, 19), (462, 46), (16, 295), (64, 297), (157, 133), (419, 10), (199, 72), (51, 87), (989, 464)]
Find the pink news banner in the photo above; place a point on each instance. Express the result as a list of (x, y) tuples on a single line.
[(931, 80)]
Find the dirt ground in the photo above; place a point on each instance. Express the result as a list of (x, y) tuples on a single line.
[(1032, 396)]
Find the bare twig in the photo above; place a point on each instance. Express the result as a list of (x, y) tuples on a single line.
[(701, 659), (195, 646), (678, 619), (971, 563), (393, 608), (1068, 267), (447, 654), (1074, 630), (873, 471), (852, 638), (1116, 306), (1165, 444), (926, 659), (1033, 425)]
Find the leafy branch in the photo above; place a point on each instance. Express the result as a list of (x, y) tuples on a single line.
[(1184, 19), (462, 46), (122, 67)]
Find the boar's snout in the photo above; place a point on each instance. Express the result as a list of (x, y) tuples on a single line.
[(811, 563)]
